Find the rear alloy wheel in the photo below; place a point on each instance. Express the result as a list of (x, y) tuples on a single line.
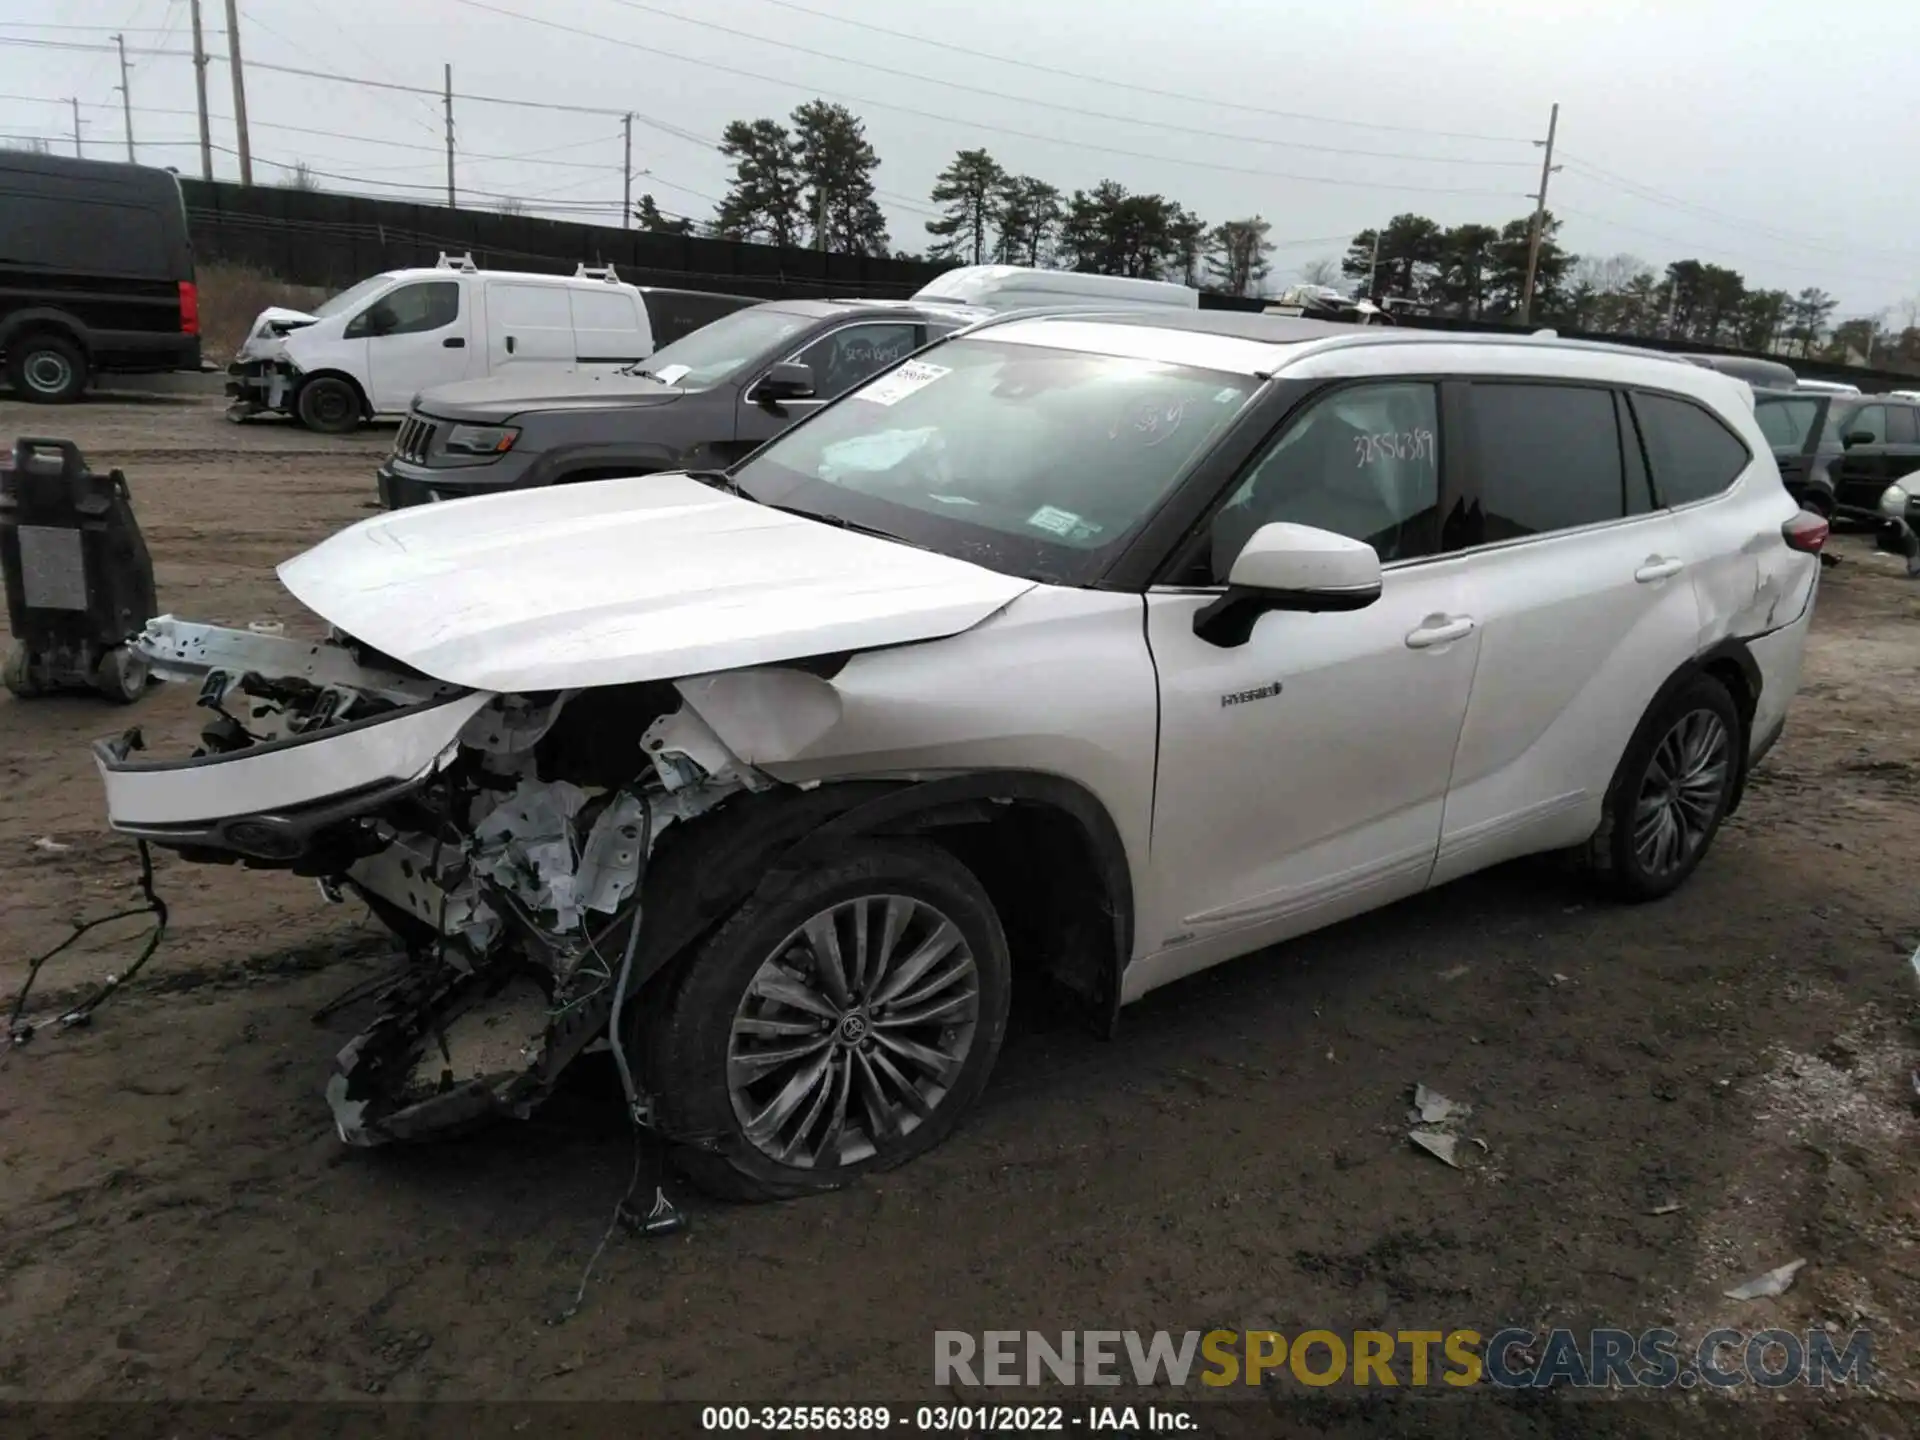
[(842, 1027), (329, 405), (47, 369), (1673, 790)]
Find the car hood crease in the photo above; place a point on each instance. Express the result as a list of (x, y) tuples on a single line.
[(620, 581)]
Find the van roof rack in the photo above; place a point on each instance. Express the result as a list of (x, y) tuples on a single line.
[(596, 272), (462, 263)]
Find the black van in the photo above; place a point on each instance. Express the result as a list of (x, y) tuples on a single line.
[(96, 274)]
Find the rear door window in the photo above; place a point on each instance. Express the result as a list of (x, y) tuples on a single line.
[(1693, 455), (1787, 422), (1868, 422), (1547, 458), (1901, 429)]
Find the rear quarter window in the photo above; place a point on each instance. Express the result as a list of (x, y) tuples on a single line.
[(1693, 455)]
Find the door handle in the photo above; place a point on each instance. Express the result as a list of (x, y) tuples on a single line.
[(1658, 567), (1439, 630), (454, 342), (509, 344)]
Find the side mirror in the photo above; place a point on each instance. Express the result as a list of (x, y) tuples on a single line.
[(1290, 567), (1860, 437), (789, 380)]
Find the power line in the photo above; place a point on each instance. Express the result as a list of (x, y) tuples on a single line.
[(976, 124), (1698, 249), (1145, 89), (1799, 240), (1081, 111)]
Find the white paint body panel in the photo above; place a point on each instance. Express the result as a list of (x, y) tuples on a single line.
[(265, 780), (1059, 683), (617, 581), (1280, 813)]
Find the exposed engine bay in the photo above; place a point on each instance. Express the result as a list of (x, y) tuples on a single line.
[(510, 865)]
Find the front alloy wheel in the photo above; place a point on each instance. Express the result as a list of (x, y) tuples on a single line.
[(853, 1031), (842, 1026)]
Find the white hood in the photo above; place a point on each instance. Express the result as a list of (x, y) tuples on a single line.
[(618, 581), (262, 342)]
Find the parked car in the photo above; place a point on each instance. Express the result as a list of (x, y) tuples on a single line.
[(1323, 302), (1827, 387), (1098, 651), (370, 349), (96, 274), (1004, 288), (1838, 452), (1898, 531), (701, 403), (1761, 374)]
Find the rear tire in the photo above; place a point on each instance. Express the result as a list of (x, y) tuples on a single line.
[(47, 368), (329, 405), (1674, 786), (769, 1085)]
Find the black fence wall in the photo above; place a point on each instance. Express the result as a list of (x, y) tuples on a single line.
[(314, 237)]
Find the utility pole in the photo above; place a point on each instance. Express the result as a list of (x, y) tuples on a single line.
[(626, 171), (1539, 218), (126, 96), (448, 100), (200, 90), (820, 220), (239, 91), (1373, 265), (78, 151)]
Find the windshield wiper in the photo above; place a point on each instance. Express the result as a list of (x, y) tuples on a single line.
[(719, 480), (840, 522)]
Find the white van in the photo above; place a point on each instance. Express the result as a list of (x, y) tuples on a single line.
[(370, 349), (1017, 287)]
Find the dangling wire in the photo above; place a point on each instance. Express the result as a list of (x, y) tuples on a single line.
[(19, 1031)]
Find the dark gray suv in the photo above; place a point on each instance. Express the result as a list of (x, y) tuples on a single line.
[(703, 402)]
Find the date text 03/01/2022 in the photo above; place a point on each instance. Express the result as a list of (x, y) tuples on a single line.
[(945, 1419)]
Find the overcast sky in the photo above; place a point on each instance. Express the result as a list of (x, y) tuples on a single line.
[(1781, 141)]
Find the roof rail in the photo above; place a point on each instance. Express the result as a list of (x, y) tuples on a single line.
[(463, 263), (585, 271)]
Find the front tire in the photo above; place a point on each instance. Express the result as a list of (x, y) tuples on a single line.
[(47, 369), (122, 676), (329, 405), (843, 1026), (1673, 788)]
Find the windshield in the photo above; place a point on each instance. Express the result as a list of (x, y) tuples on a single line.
[(1786, 420), (349, 298), (713, 352), (1022, 458)]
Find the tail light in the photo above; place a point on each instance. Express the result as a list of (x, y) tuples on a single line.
[(1805, 532), (189, 308)]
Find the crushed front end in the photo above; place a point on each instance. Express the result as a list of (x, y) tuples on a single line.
[(261, 377), (502, 838)]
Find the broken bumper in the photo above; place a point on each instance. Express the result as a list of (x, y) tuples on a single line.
[(269, 799), (262, 384)]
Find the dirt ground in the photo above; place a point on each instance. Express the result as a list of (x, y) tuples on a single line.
[(178, 1220)]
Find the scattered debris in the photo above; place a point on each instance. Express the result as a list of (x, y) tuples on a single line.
[(1430, 1107), (1456, 971), (1559, 979), (1916, 962), (1666, 1208), (1485, 1149), (50, 845), (1433, 1117), (1774, 1282), (1437, 1144)]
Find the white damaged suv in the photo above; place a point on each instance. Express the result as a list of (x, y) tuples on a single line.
[(1077, 651)]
